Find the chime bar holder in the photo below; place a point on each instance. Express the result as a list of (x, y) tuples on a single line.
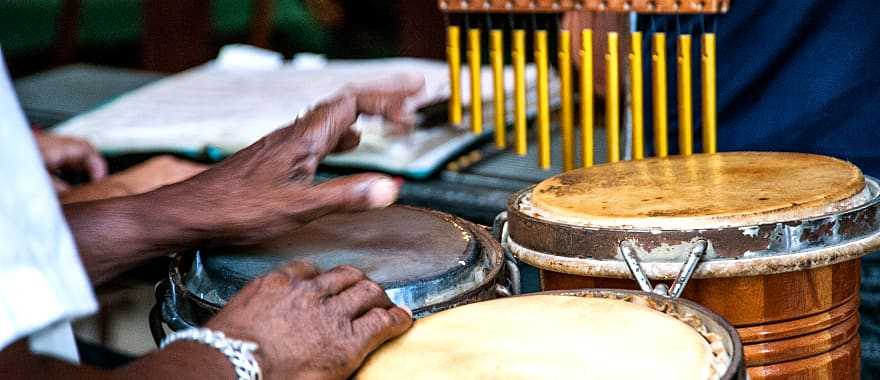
[(553, 6)]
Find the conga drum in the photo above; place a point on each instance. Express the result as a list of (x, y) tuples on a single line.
[(770, 240), (425, 260), (580, 334)]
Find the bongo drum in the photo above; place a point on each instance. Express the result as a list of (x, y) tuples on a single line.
[(425, 260), (771, 240), (582, 334)]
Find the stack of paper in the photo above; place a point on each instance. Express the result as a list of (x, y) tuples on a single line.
[(222, 108)]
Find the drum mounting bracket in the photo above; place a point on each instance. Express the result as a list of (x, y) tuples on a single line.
[(627, 250), (500, 233)]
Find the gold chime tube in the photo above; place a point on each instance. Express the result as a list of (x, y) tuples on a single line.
[(518, 54), (685, 98), (638, 96), (612, 97), (709, 95), (543, 99), (496, 55), (586, 90), (658, 57), (566, 112), (453, 57), (474, 62)]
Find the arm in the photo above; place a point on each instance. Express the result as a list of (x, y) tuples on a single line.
[(147, 176), (177, 361), (309, 325), (261, 192)]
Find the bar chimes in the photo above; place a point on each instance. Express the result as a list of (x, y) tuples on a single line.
[(519, 11)]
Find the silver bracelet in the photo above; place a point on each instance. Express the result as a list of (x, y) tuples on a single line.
[(239, 352)]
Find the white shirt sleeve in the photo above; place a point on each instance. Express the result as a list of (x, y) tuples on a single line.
[(43, 285)]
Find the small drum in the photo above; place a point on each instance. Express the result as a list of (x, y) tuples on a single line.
[(425, 260), (772, 241), (582, 334)]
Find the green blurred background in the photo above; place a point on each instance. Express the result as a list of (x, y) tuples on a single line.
[(111, 32)]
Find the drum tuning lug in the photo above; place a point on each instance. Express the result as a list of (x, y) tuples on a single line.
[(687, 270), (500, 233), (498, 225), (502, 291), (627, 250)]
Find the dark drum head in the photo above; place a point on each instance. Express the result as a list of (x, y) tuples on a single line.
[(399, 247)]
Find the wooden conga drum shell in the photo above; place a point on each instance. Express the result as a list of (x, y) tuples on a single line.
[(784, 234), (810, 329)]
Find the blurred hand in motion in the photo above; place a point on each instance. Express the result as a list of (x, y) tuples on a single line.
[(267, 188), (68, 154), (312, 325), (147, 176)]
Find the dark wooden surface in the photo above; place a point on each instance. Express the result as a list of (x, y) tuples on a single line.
[(801, 325)]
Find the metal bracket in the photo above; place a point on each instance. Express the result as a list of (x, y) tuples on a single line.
[(500, 232), (627, 250)]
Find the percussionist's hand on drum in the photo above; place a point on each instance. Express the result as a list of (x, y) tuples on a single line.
[(267, 188), (312, 325)]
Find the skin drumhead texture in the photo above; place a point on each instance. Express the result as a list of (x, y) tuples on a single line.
[(700, 191), (544, 337)]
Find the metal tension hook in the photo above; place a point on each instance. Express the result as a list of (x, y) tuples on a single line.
[(627, 250)]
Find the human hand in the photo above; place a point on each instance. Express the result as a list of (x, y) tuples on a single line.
[(70, 154), (267, 189), (312, 325)]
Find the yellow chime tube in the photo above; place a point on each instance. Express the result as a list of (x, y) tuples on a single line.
[(586, 111), (658, 78), (518, 54), (612, 97), (566, 116), (685, 106), (638, 96), (543, 99), (586, 92), (496, 56), (453, 57), (709, 111), (474, 63)]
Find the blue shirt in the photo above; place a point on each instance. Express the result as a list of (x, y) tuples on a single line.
[(799, 76)]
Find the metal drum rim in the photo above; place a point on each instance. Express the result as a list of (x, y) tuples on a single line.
[(793, 255), (871, 183), (488, 249)]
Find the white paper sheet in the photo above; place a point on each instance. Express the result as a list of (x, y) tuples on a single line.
[(229, 108)]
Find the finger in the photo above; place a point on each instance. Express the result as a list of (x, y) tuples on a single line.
[(338, 279), (59, 185), (379, 325), (354, 193), (348, 141), (361, 298), (389, 98), (299, 271), (95, 164), (405, 84)]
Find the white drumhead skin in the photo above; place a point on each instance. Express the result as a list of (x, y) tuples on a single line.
[(702, 191), (545, 337)]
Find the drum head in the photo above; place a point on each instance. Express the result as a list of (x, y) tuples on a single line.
[(549, 337), (756, 213), (398, 247), (700, 191)]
